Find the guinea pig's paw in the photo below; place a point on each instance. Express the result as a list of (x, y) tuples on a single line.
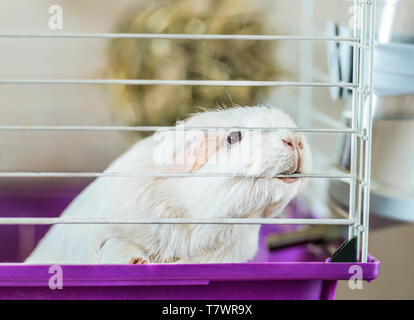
[(138, 260)]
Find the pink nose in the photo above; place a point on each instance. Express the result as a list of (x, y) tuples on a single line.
[(291, 143)]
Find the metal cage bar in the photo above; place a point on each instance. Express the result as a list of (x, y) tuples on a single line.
[(48, 174), (355, 78), (176, 36), (369, 11), (362, 122), (168, 128), (150, 82), (240, 221)]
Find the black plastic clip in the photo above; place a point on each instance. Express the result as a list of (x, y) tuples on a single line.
[(347, 252)]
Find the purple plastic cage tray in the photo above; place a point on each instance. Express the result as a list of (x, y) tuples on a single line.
[(290, 273)]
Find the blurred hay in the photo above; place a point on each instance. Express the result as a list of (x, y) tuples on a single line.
[(188, 59)]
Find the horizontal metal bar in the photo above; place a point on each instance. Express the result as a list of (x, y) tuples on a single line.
[(165, 128), (149, 82), (177, 36), (21, 174), (50, 221)]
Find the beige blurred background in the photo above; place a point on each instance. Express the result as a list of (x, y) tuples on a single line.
[(90, 104)]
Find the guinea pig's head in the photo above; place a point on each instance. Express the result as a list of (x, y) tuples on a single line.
[(240, 166)]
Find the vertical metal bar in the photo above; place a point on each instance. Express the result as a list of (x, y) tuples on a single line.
[(368, 142), (306, 66), (355, 78), (362, 114), (357, 124), (363, 119), (360, 142)]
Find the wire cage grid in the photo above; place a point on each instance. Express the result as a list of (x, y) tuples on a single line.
[(361, 128)]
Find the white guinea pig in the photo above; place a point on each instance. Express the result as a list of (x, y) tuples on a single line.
[(247, 161)]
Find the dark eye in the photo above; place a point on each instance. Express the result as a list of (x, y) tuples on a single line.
[(234, 137)]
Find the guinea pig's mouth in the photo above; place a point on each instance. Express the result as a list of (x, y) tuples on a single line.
[(290, 179)]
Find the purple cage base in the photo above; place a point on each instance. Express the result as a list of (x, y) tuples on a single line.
[(291, 273)]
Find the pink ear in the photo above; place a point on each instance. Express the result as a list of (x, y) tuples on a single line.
[(193, 151)]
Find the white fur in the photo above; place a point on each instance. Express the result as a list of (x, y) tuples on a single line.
[(195, 197)]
